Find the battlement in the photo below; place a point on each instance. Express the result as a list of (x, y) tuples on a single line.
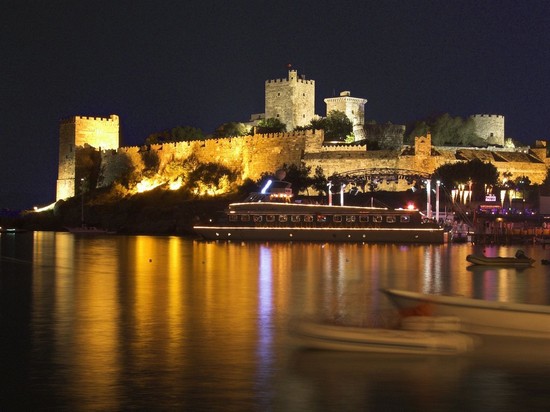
[(343, 147), (218, 141), (488, 116), (303, 81), (113, 118), (292, 76)]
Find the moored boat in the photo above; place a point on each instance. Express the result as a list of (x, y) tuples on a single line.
[(271, 215), (89, 230), (11, 230), (477, 315), (414, 341), (519, 260)]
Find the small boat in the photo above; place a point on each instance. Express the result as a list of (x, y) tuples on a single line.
[(11, 230), (543, 240), (415, 339), (89, 230), (520, 260), (476, 315)]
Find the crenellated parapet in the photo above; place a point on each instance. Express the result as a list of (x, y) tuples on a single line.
[(72, 119), (488, 116), (343, 147), (292, 77)]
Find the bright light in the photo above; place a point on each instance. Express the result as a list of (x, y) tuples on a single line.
[(44, 208), (269, 182), (176, 184), (411, 206), (147, 184)]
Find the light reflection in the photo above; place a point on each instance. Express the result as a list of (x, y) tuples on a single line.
[(163, 313), (77, 303), (265, 313)]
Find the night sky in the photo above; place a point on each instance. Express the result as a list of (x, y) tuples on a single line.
[(160, 64)]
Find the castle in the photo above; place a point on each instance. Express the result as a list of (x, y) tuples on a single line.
[(292, 102)]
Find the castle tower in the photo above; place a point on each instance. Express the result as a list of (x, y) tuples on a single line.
[(291, 100), (75, 132), (353, 107), (490, 127)]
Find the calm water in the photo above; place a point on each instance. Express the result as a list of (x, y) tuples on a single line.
[(165, 323)]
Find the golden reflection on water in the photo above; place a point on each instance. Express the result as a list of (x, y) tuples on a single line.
[(181, 315)]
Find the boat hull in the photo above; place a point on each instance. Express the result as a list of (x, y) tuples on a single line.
[(500, 261), (369, 235), (476, 315), (344, 338), (89, 231)]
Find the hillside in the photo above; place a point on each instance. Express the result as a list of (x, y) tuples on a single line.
[(154, 212), (161, 212)]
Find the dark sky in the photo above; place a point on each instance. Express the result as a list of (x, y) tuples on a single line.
[(160, 64)]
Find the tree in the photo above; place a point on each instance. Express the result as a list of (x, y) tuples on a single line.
[(88, 163), (298, 176), (523, 184), (337, 126), (447, 130), (211, 178), (319, 181), (271, 125), (177, 134), (186, 133), (475, 171), (231, 129), (420, 128)]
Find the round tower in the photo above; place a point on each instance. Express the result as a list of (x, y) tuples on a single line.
[(489, 127), (353, 107)]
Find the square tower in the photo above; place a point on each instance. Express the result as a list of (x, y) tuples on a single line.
[(489, 127), (75, 132), (292, 100)]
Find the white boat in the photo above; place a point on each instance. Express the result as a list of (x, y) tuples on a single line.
[(476, 315), (272, 215), (414, 341)]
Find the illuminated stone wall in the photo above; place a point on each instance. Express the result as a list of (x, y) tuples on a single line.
[(249, 155), (490, 127), (425, 158), (98, 132)]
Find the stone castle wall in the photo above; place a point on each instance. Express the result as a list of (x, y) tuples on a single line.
[(250, 155)]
